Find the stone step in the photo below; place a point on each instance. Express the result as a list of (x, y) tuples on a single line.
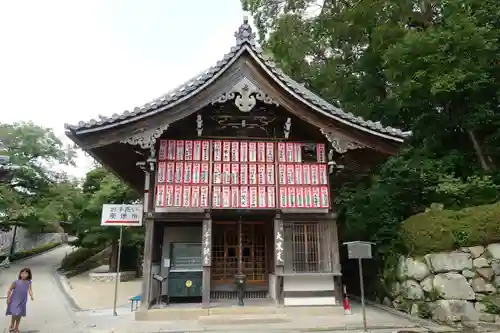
[(243, 319)]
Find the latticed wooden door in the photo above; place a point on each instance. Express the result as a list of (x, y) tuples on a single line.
[(226, 252)]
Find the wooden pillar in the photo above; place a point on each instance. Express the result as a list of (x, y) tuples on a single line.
[(148, 201), (279, 260), (207, 259), (337, 280)]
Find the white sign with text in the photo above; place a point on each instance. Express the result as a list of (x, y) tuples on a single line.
[(121, 215)]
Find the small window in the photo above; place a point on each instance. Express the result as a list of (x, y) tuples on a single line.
[(231, 252), (246, 252)]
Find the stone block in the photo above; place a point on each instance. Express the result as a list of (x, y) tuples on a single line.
[(413, 269), (493, 250), (448, 262), (453, 286)]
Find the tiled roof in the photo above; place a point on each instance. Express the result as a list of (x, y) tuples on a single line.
[(244, 40)]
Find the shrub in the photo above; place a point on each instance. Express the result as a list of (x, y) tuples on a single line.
[(34, 251), (445, 230), (78, 256)]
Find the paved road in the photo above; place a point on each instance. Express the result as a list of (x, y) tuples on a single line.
[(50, 311)]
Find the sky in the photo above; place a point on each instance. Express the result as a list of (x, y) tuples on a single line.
[(64, 61)]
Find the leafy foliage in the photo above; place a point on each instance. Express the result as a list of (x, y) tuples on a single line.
[(39, 194), (428, 66), (444, 230)]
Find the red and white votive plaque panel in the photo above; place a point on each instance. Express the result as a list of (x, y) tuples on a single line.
[(245, 174)]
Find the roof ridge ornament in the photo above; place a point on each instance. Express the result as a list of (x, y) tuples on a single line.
[(244, 32), (245, 94)]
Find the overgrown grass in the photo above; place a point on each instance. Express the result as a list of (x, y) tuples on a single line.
[(77, 257), (446, 230)]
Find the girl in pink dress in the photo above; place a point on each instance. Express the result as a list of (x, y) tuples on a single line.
[(17, 297)]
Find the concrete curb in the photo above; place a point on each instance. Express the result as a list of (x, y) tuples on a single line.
[(427, 324), (65, 287)]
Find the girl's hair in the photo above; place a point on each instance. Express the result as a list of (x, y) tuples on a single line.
[(28, 271)]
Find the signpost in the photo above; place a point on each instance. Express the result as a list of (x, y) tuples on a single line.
[(360, 250), (120, 216)]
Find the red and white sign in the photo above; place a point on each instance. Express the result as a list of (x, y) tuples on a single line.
[(291, 197), (226, 197), (314, 174), (281, 174), (121, 215), (217, 151), (307, 174), (177, 196), (169, 196), (244, 198), (226, 151), (205, 151), (298, 152), (162, 168), (261, 171), (243, 151), (298, 174), (283, 198), (197, 150), (186, 196), (252, 174), (171, 150), (160, 195), (195, 196), (235, 173), (179, 150), (261, 152), (269, 152), (216, 197), (290, 152), (226, 173), (290, 174), (323, 175), (262, 197), (300, 197), (253, 197), (308, 197), (188, 150), (204, 197), (270, 174), (179, 172), (196, 172), (170, 172), (252, 152), (204, 173), (235, 151), (271, 197), (162, 152), (316, 198), (217, 178), (325, 198), (244, 174), (188, 172), (281, 152), (235, 197)]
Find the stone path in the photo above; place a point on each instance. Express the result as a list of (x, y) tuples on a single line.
[(51, 312)]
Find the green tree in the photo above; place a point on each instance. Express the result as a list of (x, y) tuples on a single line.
[(34, 198), (429, 66), (101, 187)]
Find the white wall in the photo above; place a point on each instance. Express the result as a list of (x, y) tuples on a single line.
[(309, 283)]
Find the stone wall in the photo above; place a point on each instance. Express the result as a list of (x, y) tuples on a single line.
[(26, 241), (451, 288)]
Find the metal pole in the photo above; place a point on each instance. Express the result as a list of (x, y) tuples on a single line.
[(117, 278), (362, 287)]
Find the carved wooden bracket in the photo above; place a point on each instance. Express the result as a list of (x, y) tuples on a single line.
[(146, 139), (245, 94), (340, 145)]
